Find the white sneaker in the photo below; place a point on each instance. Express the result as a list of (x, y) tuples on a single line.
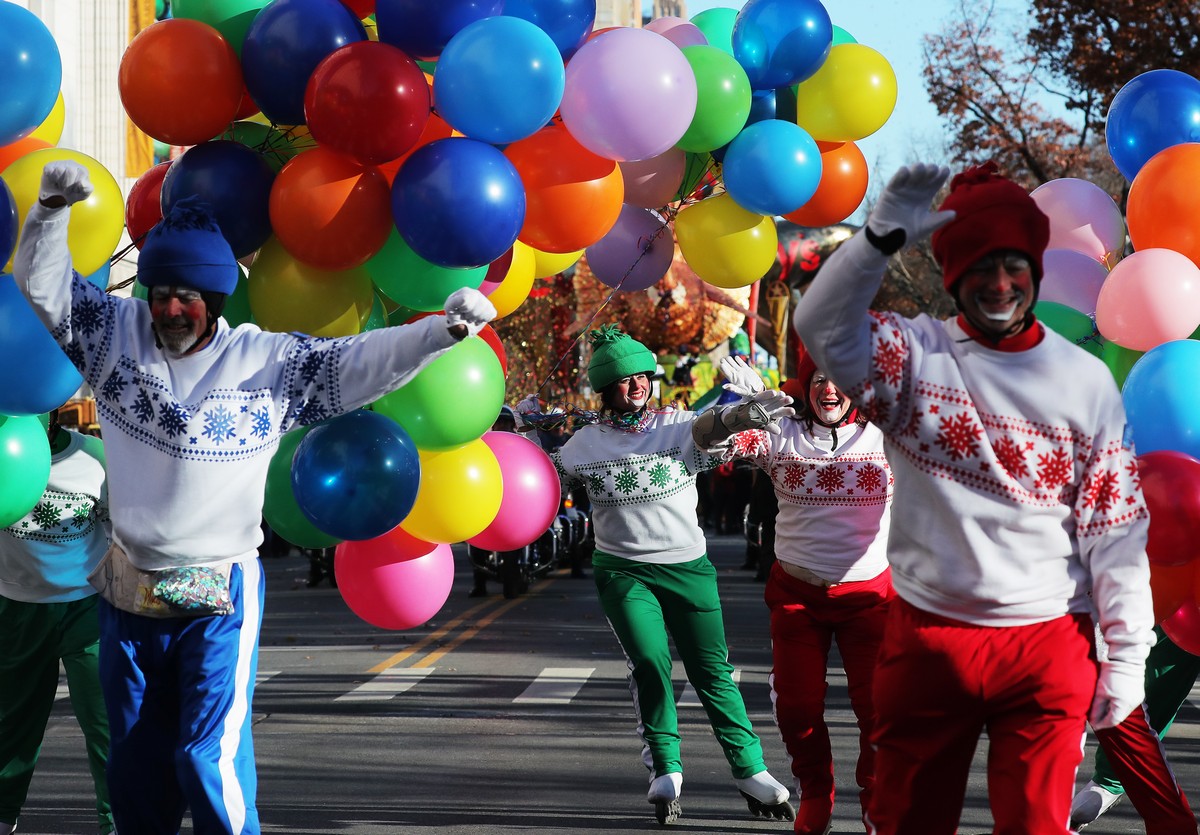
[(766, 796), (664, 796), (1091, 803)]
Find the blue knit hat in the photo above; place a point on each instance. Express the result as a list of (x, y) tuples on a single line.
[(616, 355), (187, 249)]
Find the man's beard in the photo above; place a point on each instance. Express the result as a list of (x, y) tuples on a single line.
[(176, 343)]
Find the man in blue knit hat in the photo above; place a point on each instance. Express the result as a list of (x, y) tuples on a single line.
[(192, 411)]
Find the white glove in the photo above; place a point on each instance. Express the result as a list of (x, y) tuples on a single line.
[(777, 405), (1121, 688), (66, 180), (904, 204), (528, 406), (470, 309), (744, 381)]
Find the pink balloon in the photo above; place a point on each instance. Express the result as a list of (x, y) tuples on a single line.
[(1071, 278), (529, 494), (629, 95), (636, 253), (653, 182), (394, 581), (678, 31), (1183, 627), (1151, 297), (1083, 217)]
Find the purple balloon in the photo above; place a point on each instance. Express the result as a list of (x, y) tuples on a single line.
[(1071, 278), (678, 31), (630, 95), (636, 253)]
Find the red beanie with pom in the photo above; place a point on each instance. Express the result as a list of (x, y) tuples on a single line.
[(992, 213)]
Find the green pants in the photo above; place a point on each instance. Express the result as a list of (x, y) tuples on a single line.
[(1170, 674), (36, 637), (644, 604)]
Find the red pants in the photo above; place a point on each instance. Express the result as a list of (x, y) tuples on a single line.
[(940, 683), (805, 619), (1137, 758)]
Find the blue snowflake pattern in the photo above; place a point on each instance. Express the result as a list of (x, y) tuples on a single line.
[(218, 425), (172, 419), (87, 317), (312, 366), (113, 387), (260, 426), (142, 408), (310, 411), (75, 354)]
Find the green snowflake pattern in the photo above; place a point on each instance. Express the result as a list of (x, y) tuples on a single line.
[(595, 484), (46, 515), (626, 481), (660, 474)]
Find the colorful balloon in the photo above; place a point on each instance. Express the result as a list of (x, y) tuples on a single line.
[(24, 465), (1171, 486), (394, 581), (781, 42), (717, 27), (567, 22), (516, 281), (289, 295), (1170, 587), (1150, 113), (1183, 627), (36, 375), (1071, 324), (143, 207), (678, 31), (843, 186), (726, 245), (1151, 297), (636, 253), (1083, 217), (460, 493), (409, 280), (8, 222), (722, 99), (653, 183), (1162, 401), (1162, 202), (772, 167), (356, 476), (850, 97), (423, 29), (279, 500), (32, 71), (529, 496), (1071, 278)]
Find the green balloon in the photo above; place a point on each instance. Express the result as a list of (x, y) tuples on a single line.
[(24, 465), (279, 502), (717, 27), (1120, 360), (377, 318), (840, 36), (409, 280), (237, 306), (275, 146), (722, 99), (232, 18), (1070, 323), (139, 291), (402, 316), (472, 375)]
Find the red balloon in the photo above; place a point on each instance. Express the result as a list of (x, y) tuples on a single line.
[(143, 208), (843, 185), (1183, 627), (489, 335), (361, 8), (1171, 486), (368, 100), (330, 212), (394, 581), (1170, 587), (180, 81)]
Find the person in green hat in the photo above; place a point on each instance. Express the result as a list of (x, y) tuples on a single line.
[(651, 569)]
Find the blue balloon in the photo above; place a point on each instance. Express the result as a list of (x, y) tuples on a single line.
[(356, 476), (235, 182), (765, 104), (36, 375), (423, 28), (458, 203), (31, 69), (772, 167), (9, 222), (781, 42), (283, 46), (1162, 400), (567, 22), (1152, 112), (499, 80), (100, 276)]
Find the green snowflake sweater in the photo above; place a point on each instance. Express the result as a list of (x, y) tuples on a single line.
[(642, 485)]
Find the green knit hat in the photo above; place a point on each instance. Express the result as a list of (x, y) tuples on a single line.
[(616, 355)]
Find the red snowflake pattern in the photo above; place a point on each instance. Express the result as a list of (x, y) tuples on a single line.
[(831, 479), (959, 436), (869, 479), (1012, 457), (793, 476), (1053, 470), (1102, 491), (749, 443), (889, 361)]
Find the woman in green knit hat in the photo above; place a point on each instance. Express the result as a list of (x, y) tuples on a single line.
[(639, 467)]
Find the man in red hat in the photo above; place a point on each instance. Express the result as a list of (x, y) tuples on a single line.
[(1017, 515)]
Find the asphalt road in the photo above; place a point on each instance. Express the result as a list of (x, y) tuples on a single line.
[(501, 716)]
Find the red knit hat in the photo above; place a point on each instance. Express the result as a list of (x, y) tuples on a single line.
[(993, 213)]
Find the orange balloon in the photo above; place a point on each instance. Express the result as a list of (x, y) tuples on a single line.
[(1164, 202), (180, 81), (435, 128), (329, 211), (14, 151), (1170, 587), (572, 196), (842, 188)]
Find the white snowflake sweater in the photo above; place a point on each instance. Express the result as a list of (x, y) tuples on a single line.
[(46, 556), (833, 504), (642, 486), (1016, 486), (189, 438)]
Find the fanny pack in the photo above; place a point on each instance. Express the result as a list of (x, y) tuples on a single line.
[(167, 593)]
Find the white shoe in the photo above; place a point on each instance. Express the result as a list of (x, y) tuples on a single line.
[(1091, 803), (664, 796), (766, 796)]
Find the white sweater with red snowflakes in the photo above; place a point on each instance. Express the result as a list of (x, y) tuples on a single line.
[(1016, 486), (833, 503)]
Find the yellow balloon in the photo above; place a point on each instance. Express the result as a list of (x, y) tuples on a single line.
[(95, 227), (51, 128), (546, 264), (726, 245), (849, 97), (514, 288), (459, 494), (287, 295)]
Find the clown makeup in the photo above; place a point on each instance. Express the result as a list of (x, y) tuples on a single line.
[(180, 318), (631, 393), (996, 292), (828, 403)]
